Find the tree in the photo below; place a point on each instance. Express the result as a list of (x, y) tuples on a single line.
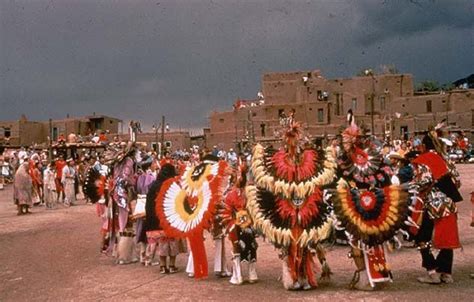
[(428, 86)]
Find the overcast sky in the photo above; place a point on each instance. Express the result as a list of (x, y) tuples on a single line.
[(142, 59)]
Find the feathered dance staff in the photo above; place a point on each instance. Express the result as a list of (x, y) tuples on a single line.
[(286, 202)]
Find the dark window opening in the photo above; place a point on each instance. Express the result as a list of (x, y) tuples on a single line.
[(97, 124), (254, 114), (368, 104), (320, 115), (55, 134), (221, 120), (7, 132), (262, 129), (404, 132), (428, 106), (329, 113), (280, 112), (382, 103)]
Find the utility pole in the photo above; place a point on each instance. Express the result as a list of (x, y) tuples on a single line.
[(50, 141), (372, 110), (237, 145), (448, 101), (251, 130), (162, 134), (155, 129), (370, 73)]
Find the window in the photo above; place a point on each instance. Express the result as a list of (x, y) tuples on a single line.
[(7, 132), (320, 95), (221, 120), (368, 104), (280, 112), (339, 104), (354, 104), (382, 103), (254, 113), (55, 134), (428, 106), (320, 115), (329, 113), (98, 124), (262, 129)]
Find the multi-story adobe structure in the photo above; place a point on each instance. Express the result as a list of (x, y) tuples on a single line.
[(386, 103), (24, 132), (172, 140)]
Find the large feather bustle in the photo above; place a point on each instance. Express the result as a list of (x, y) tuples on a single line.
[(227, 210), (371, 227), (322, 172), (94, 185)]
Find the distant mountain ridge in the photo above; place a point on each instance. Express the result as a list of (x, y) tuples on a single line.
[(469, 80)]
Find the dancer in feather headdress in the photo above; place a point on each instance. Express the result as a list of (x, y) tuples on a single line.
[(186, 205), (367, 206), (233, 215), (123, 160), (286, 202)]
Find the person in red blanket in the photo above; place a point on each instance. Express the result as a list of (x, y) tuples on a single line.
[(439, 191), (60, 164), (472, 219)]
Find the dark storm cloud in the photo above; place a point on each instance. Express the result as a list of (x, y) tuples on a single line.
[(385, 19), (183, 59)]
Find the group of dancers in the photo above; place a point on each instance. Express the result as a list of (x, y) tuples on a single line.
[(293, 196)]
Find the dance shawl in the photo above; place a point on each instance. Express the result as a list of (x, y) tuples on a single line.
[(186, 205), (286, 201)]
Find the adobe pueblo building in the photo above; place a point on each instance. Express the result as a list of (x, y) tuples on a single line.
[(385, 104), (24, 132)]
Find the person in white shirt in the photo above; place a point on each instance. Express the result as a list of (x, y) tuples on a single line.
[(49, 176), (22, 155), (232, 157), (68, 181)]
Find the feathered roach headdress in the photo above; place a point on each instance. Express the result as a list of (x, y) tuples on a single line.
[(350, 134), (431, 139), (116, 153), (291, 132)]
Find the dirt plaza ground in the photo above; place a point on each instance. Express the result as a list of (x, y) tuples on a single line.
[(54, 256)]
